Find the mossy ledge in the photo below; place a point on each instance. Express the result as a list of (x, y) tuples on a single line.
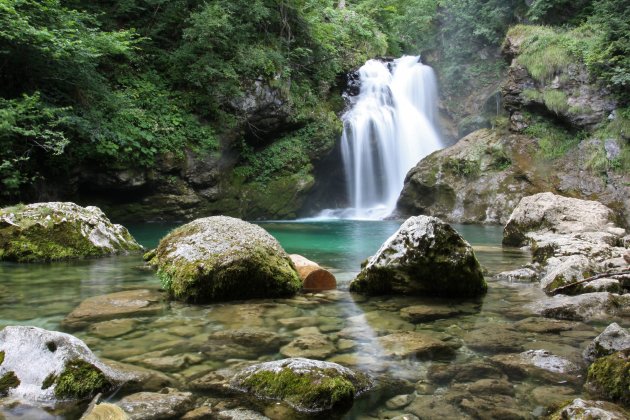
[(306, 385), (609, 377), (80, 380)]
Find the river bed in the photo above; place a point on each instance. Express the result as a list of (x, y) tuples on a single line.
[(468, 380)]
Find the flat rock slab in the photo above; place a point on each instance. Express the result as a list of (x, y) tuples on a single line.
[(157, 405), (316, 346), (544, 325), (140, 378), (426, 313), (415, 344), (600, 305), (126, 304), (537, 363), (495, 339)]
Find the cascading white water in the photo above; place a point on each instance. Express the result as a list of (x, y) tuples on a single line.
[(388, 130)]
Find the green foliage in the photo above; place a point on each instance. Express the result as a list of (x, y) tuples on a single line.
[(462, 167), (560, 11), (553, 140), (555, 100)]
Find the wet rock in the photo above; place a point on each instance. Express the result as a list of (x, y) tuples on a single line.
[(174, 363), (612, 339), (416, 344), (492, 407), (167, 404), (538, 363), (380, 322), (546, 396), (424, 313), (316, 346), (490, 387), (468, 372), (520, 275), (258, 340), (609, 377), (223, 258), (600, 305), (433, 407), (58, 231), (495, 339), (360, 361), (199, 413), (580, 409), (399, 401), (306, 385), (217, 381), (113, 328), (140, 378), (48, 366), (105, 411), (544, 326), (130, 303), (240, 414), (424, 257)]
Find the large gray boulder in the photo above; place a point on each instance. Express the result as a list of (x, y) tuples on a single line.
[(59, 231), (580, 409), (306, 385), (548, 212), (613, 338), (49, 366), (424, 257), (223, 258)]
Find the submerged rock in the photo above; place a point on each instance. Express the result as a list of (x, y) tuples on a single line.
[(126, 304), (609, 377), (316, 346), (105, 411), (416, 344), (424, 257), (167, 404), (306, 385), (58, 231), (223, 258), (580, 409), (537, 363), (49, 366), (612, 339)]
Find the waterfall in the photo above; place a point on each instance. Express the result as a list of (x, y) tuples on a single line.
[(388, 130)]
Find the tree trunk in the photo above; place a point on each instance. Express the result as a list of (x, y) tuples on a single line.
[(314, 277)]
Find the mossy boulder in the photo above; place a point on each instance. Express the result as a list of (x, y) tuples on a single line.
[(609, 377), (424, 257), (223, 258), (49, 366), (614, 338), (304, 384), (59, 231)]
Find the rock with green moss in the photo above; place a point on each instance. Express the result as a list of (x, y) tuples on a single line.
[(424, 257), (304, 384), (59, 231), (614, 338), (580, 409), (609, 377), (49, 366), (223, 258)]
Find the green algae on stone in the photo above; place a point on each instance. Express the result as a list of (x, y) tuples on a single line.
[(609, 377), (8, 381), (60, 231), (306, 385), (80, 379), (425, 257), (223, 258), (1, 357)]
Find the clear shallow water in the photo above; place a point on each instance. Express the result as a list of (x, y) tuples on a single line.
[(179, 341)]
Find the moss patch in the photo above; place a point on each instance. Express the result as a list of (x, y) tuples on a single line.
[(1, 357), (302, 390), (80, 380), (49, 381), (609, 377), (8, 381)]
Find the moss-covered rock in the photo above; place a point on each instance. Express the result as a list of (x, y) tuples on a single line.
[(425, 257), (614, 338), (306, 385), (49, 366), (223, 258), (58, 231), (609, 377)]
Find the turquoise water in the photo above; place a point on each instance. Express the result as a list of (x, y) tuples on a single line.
[(43, 294)]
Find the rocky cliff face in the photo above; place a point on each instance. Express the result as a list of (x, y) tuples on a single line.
[(552, 141)]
